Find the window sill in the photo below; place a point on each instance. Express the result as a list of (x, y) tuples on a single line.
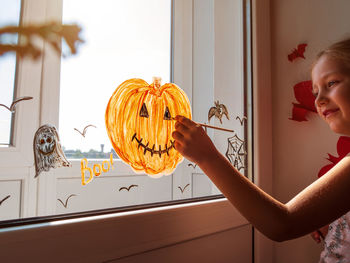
[(105, 237)]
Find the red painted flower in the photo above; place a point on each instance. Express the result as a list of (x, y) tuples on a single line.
[(303, 94), (343, 148)]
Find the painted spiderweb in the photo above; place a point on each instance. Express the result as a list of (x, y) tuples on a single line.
[(236, 152)]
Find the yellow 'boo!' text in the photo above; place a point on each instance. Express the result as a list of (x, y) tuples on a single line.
[(96, 170)]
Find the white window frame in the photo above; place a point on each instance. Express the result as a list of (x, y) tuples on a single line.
[(28, 82), (16, 161), (262, 112), (160, 226)]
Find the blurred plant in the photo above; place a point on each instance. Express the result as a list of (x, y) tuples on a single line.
[(52, 33)]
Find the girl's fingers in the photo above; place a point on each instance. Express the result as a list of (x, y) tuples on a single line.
[(324, 230), (320, 234), (185, 121), (180, 127), (315, 236), (178, 147), (177, 136), (178, 139)]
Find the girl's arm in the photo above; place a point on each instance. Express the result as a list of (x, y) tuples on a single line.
[(319, 204)]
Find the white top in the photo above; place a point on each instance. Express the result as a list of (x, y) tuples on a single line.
[(337, 241)]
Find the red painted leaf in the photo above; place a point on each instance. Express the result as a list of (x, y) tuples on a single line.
[(332, 158), (298, 113), (343, 148), (303, 94)]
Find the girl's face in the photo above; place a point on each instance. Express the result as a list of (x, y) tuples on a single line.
[(331, 86)]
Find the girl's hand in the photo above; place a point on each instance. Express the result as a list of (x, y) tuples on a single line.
[(192, 141), (320, 234)]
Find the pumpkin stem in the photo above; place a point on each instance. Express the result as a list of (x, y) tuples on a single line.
[(157, 82)]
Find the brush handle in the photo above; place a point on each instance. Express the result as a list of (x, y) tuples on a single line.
[(210, 126), (214, 127)]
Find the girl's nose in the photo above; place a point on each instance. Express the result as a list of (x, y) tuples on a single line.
[(321, 99)]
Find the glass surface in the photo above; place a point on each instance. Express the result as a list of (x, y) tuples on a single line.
[(123, 40), (9, 15)]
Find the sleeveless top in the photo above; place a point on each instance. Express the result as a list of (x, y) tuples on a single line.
[(337, 242)]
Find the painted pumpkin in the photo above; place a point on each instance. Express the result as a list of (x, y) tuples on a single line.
[(139, 122)]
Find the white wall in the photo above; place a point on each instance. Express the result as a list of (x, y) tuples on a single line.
[(300, 149)]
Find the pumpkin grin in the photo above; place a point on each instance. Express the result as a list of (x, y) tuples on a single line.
[(152, 150)]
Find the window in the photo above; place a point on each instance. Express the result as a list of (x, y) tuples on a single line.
[(200, 49), (9, 15), (116, 48)]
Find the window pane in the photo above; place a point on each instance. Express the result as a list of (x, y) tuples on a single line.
[(9, 15), (123, 40), (122, 43)]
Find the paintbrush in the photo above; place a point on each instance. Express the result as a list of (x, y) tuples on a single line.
[(210, 126)]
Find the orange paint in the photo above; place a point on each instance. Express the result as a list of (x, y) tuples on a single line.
[(103, 166), (97, 173), (139, 124), (84, 167)]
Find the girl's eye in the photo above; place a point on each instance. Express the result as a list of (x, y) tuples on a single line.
[(331, 83)]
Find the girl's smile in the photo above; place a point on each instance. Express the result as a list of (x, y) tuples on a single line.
[(331, 86)]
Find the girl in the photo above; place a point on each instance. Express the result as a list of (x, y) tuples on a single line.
[(320, 203)]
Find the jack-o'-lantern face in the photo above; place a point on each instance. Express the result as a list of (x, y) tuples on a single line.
[(139, 122)]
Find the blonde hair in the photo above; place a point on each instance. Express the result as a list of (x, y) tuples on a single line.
[(339, 50)]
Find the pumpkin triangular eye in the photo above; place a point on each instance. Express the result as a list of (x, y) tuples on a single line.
[(167, 115), (144, 111)]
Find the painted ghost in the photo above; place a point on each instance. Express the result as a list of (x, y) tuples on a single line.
[(47, 150)]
